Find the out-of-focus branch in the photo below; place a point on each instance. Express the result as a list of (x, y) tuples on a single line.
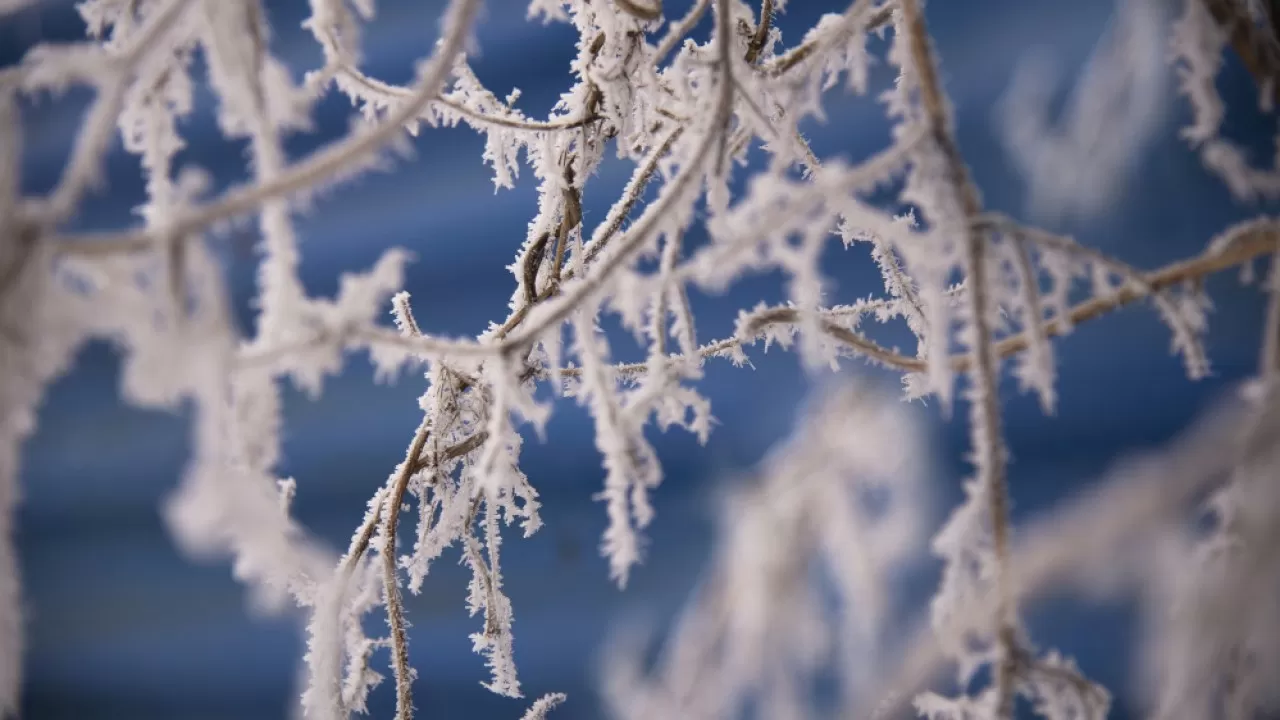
[(1087, 533), (318, 167), (1257, 45), (985, 419), (877, 19), (641, 9), (397, 93), (99, 127), (8, 7), (761, 34)]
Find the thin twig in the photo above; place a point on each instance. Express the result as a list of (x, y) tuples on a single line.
[(1057, 549), (605, 232), (779, 65), (985, 416), (453, 452), (1029, 284), (1250, 244), (1173, 316), (390, 576), (762, 32), (1252, 241), (1256, 44), (99, 127), (400, 93), (1269, 362), (316, 168), (679, 30)]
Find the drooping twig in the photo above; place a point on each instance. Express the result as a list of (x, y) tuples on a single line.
[(390, 578)]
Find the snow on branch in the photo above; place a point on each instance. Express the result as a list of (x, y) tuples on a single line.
[(833, 512)]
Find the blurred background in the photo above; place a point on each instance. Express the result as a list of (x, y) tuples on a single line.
[(122, 626)]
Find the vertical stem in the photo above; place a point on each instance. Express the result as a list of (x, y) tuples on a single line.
[(11, 233), (1269, 363), (391, 582), (985, 406), (761, 34)]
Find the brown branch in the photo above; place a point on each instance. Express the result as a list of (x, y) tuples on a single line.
[(1255, 44), (602, 235), (762, 32), (347, 567), (529, 267), (390, 578), (401, 93), (452, 452), (1254, 242), (1269, 363), (985, 417), (779, 65)]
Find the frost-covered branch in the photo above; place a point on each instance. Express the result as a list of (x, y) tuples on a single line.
[(957, 542), (688, 114)]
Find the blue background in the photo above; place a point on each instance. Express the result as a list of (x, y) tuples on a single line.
[(122, 626)]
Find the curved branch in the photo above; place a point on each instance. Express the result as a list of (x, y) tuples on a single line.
[(1242, 244), (390, 578), (99, 127), (1193, 354), (397, 93), (319, 166), (603, 232), (782, 63), (641, 9)]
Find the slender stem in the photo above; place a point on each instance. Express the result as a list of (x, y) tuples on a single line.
[(781, 64), (633, 239), (1076, 539), (321, 165), (1253, 243), (679, 30), (984, 415), (1269, 363), (399, 93), (762, 32), (390, 577), (1255, 43), (99, 127), (604, 233)]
